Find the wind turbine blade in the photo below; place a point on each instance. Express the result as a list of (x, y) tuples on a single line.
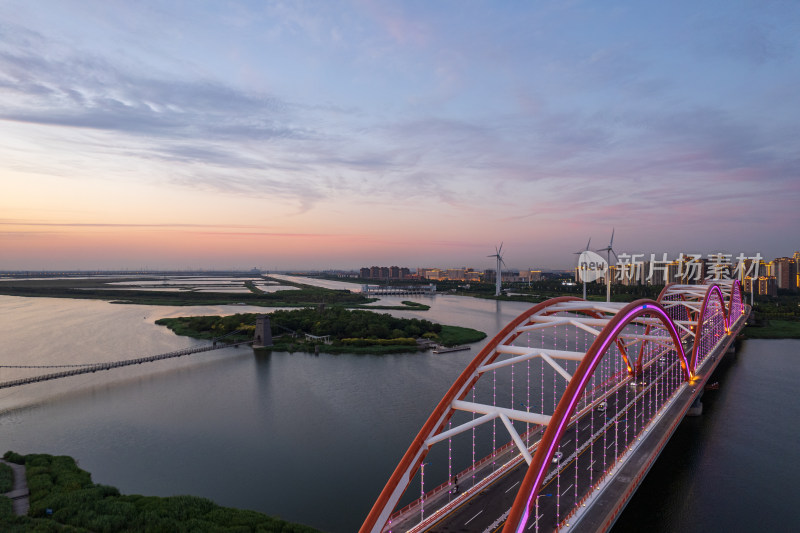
[(501, 248), (589, 243), (616, 259), (610, 244)]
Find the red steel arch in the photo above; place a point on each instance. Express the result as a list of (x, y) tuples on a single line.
[(700, 310), (409, 464), (695, 305), (707, 328), (736, 306), (732, 291), (530, 485)]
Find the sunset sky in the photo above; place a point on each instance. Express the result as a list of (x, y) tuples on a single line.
[(288, 135)]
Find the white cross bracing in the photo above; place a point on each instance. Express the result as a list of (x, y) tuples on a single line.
[(694, 296), (591, 324)]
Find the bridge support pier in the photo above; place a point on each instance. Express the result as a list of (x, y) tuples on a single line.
[(262, 337), (696, 409)]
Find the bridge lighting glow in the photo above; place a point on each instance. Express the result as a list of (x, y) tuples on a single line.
[(572, 401), (635, 359)]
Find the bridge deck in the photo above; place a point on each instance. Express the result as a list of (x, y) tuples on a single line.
[(487, 508), (604, 510)]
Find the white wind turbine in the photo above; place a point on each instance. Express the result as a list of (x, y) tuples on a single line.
[(498, 273), (609, 250), (583, 275)]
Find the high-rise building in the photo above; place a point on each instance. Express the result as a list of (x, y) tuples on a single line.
[(674, 273), (533, 275), (392, 272), (796, 258), (433, 273), (747, 284), (658, 274), (456, 274), (613, 273), (767, 286), (634, 273), (785, 271)]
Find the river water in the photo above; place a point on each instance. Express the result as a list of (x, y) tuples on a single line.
[(313, 439)]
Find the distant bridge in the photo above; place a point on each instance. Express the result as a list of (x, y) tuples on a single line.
[(388, 290), (588, 392), (88, 368)]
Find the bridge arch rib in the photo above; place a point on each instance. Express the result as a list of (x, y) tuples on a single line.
[(732, 295), (558, 334), (736, 306), (444, 411), (700, 314), (652, 319)]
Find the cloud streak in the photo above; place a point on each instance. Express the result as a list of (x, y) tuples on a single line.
[(497, 120)]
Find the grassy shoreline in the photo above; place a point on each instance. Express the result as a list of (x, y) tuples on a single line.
[(64, 498), (774, 329)]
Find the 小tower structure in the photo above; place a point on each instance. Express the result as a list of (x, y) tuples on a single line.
[(262, 336)]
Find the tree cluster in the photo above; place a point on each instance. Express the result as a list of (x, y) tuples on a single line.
[(64, 499)]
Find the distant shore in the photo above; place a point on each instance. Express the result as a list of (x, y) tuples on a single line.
[(109, 289)]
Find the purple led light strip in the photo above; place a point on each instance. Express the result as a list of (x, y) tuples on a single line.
[(571, 406)]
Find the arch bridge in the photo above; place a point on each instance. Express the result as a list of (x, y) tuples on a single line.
[(556, 421)]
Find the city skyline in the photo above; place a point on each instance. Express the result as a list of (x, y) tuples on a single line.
[(332, 135)]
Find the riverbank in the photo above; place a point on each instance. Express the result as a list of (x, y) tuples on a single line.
[(64, 498), (774, 329)]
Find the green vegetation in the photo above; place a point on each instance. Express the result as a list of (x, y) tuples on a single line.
[(6, 478), (775, 317), (252, 286), (64, 499), (6, 512), (407, 306), (455, 335), (351, 331), (774, 329)]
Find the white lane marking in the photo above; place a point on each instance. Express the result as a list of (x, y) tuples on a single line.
[(565, 443), (473, 518), (590, 466), (512, 486), (567, 489), (610, 445)]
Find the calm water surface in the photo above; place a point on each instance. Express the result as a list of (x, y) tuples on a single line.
[(313, 438)]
